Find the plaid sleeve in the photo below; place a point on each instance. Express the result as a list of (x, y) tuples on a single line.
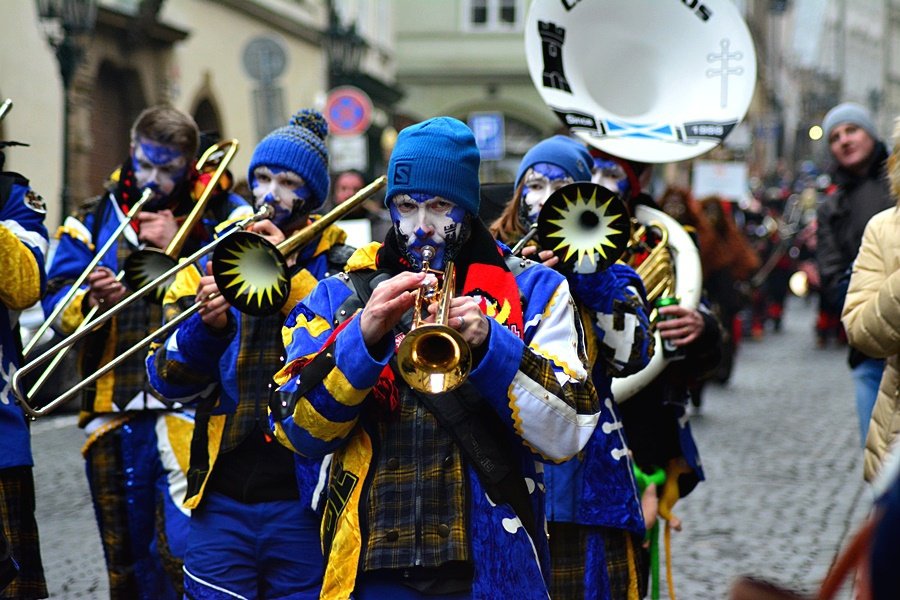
[(543, 390), (328, 374)]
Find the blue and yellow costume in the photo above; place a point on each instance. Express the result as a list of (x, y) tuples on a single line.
[(420, 501), (255, 525), (23, 246)]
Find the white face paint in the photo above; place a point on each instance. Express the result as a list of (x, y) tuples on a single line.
[(422, 220), (282, 189), (157, 166), (541, 180)]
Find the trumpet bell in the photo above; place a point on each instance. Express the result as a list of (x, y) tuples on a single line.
[(586, 225), (434, 359), (251, 273)]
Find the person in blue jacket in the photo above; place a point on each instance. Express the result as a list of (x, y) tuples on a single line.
[(435, 494), (23, 247), (594, 514), (255, 523), (136, 443)]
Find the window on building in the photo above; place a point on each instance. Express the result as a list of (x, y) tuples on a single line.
[(493, 15)]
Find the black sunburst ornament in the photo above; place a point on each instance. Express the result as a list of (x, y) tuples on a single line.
[(586, 225), (250, 273)]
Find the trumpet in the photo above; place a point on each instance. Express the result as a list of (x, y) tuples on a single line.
[(151, 287), (252, 273), (433, 357)]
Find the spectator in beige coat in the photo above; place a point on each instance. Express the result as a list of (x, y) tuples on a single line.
[(871, 315)]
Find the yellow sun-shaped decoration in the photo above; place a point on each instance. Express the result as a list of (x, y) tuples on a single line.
[(257, 274), (584, 230)]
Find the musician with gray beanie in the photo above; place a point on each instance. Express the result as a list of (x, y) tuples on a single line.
[(861, 191)]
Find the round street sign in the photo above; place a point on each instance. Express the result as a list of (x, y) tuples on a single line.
[(348, 111)]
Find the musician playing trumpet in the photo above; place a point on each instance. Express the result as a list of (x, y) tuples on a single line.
[(435, 494), (255, 520), (593, 508), (134, 439)]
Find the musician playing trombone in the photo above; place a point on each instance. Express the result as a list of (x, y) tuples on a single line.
[(593, 506), (254, 524), (135, 442), (435, 493), (23, 246)]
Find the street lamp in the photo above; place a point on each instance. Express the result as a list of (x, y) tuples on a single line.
[(343, 46), (65, 24)]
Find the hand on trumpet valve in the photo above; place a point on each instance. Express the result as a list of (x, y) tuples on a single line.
[(545, 257), (389, 301), (214, 311), (684, 326), (466, 317), (103, 288), (157, 228)]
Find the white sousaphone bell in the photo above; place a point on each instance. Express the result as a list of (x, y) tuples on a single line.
[(653, 81), (648, 80)]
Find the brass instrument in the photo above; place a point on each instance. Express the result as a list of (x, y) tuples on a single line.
[(252, 273), (146, 264), (655, 265), (86, 329), (433, 357), (141, 266)]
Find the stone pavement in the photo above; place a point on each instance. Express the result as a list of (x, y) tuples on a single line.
[(779, 445), (783, 465)]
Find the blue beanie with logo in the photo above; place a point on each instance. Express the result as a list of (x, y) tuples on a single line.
[(300, 147), (567, 154), (437, 157)]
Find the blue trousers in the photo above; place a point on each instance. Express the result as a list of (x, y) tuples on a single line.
[(263, 550), (866, 379), (137, 489)]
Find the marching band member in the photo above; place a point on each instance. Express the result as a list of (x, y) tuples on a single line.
[(23, 246), (254, 531), (135, 442), (655, 418), (435, 494), (593, 506)]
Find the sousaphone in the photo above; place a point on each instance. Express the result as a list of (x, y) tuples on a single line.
[(653, 81), (648, 80)]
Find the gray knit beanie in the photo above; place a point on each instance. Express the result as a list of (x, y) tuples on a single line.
[(849, 112)]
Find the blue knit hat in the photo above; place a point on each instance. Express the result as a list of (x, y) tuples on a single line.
[(849, 112), (300, 147), (565, 153), (437, 157)]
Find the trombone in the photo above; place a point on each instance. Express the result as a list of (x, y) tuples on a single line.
[(433, 357), (141, 266), (16, 383), (252, 273)]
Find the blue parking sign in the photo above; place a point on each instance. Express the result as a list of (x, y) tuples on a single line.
[(489, 134)]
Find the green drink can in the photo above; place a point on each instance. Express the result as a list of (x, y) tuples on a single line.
[(669, 349)]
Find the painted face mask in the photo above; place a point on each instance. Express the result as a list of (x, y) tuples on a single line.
[(284, 190), (540, 181), (423, 220), (158, 167), (610, 175)]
